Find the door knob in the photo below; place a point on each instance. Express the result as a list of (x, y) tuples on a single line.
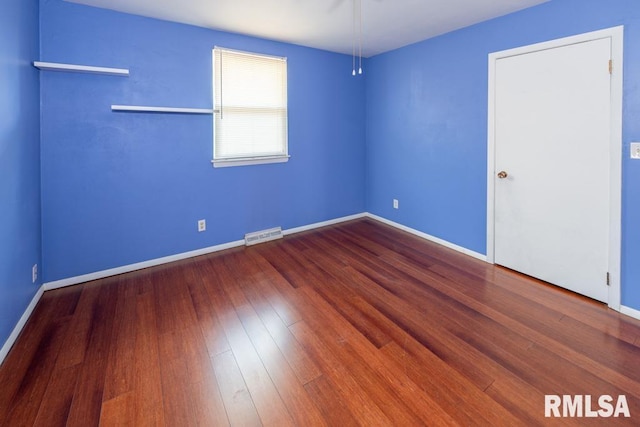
[(502, 174)]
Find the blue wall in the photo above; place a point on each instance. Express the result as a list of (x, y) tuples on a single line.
[(19, 160), (427, 123), (121, 188)]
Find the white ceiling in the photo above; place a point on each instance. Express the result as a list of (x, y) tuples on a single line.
[(325, 24)]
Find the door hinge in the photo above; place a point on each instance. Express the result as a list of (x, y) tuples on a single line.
[(611, 66), (608, 279)]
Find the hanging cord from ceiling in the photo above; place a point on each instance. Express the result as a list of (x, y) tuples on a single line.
[(353, 41), (356, 37), (360, 35)]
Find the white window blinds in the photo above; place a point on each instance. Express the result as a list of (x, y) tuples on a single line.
[(250, 94)]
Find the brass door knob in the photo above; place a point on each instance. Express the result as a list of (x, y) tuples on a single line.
[(502, 174)]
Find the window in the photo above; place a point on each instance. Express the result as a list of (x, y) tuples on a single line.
[(250, 103)]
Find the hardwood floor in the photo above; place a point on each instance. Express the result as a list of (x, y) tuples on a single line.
[(354, 324)]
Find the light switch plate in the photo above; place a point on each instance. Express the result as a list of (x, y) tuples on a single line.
[(635, 150)]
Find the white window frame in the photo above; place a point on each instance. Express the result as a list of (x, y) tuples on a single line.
[(247, 160)]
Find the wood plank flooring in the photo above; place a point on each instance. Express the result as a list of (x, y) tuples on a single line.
[(353, 324)]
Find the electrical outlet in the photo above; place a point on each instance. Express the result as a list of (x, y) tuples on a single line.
[(34, 273), (396, 204), (202, 225), (635, 150)]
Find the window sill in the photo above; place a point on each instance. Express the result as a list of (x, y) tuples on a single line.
[(246, 161)]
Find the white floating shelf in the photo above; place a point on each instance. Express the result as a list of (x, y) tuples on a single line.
[(54, 66), (145, 109)]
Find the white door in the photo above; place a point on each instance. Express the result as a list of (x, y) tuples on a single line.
[(552, 136)]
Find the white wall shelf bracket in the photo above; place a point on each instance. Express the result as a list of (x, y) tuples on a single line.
[(171, 110), (73, 68)]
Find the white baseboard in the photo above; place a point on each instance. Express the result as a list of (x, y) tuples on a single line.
[(70, 281), (630, 312), (322, 224), (624, 310), (132, 267), (165, 260), (429, 237), (138, 266), (21, 323)]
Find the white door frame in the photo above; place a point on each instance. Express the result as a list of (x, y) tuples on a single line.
[(615, 146)]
